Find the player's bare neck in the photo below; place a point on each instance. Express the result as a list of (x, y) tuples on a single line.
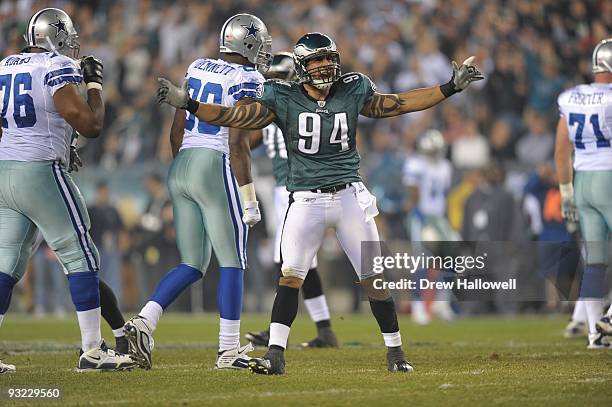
[(316, 93), (603, 77), (236, 59)]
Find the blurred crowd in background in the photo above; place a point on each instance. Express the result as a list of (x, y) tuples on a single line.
[(499, 133)]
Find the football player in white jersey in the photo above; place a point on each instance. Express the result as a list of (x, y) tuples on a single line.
[(428, 176), (312, 290), (40, 106), (585, 128), (210, 211)]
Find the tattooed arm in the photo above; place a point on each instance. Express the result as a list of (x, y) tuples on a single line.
[(379, 105), (248, 116), (245, 116), (388, 105)]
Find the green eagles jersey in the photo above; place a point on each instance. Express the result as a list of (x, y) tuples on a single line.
[(320, 136), (276, 150)]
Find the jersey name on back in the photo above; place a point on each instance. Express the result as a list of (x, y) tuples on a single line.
[(220, 82), (32, 128)]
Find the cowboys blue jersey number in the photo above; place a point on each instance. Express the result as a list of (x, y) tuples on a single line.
[(32, 128), (587, 110)]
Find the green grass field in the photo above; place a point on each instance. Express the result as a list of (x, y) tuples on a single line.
[(476, 362)]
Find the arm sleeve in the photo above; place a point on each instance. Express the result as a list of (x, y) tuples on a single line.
[(61, 72), (248, 82)]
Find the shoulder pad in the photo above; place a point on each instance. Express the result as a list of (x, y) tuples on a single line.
[(357, 77), (280, 82)]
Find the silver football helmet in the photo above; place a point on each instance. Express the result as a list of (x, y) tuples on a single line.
[(602, 56), (432, 144), (282, 67), (51, 29), (313, 46), (248, 36)]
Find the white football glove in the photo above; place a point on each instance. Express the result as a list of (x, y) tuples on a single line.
[(251, 213), (172, 94), (568, 210)]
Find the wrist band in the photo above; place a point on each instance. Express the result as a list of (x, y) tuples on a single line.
[(448, 89), (192, 106), (247, 192), (94, 85)]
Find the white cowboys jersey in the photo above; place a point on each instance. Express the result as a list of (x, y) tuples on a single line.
[(433, 179), (587, 110), (32, 129), (220, 82)]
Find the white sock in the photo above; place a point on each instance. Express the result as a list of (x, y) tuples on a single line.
[(279, 334), (608, 313), (1, 318), (579, 314), (229, 334), (392, 339), (118, 333), (152, 312), (317, 308), (89, 322), (594, 308)]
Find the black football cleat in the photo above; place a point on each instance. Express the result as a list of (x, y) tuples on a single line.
[(396, 361), (325, 339), (258, 338), (272, 363)]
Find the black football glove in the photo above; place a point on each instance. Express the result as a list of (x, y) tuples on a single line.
[(92, 69), (75, 160)]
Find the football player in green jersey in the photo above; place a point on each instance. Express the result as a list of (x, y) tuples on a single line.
[(312, 290), (318, 117)]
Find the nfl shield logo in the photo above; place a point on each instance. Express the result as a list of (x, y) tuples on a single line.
[(321, 103)]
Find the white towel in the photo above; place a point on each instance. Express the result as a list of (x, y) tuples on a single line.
[(367, 201)]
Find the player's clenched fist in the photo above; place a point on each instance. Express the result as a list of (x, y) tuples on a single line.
[(463, 75), (251, 213), (92, 70)]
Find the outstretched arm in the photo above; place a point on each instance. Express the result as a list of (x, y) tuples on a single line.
[(246, 116), (389, 105)]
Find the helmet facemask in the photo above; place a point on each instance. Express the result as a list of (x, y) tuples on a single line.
[(263, 59), (321, 77)]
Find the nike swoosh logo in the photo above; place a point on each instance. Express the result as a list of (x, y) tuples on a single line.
[(96, 358)]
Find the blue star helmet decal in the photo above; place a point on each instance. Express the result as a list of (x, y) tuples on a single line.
[(251, 31), (59, 26)]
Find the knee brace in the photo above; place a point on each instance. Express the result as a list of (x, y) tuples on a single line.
[(373, 293)]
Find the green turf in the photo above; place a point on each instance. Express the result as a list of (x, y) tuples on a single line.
[(475, 362)]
